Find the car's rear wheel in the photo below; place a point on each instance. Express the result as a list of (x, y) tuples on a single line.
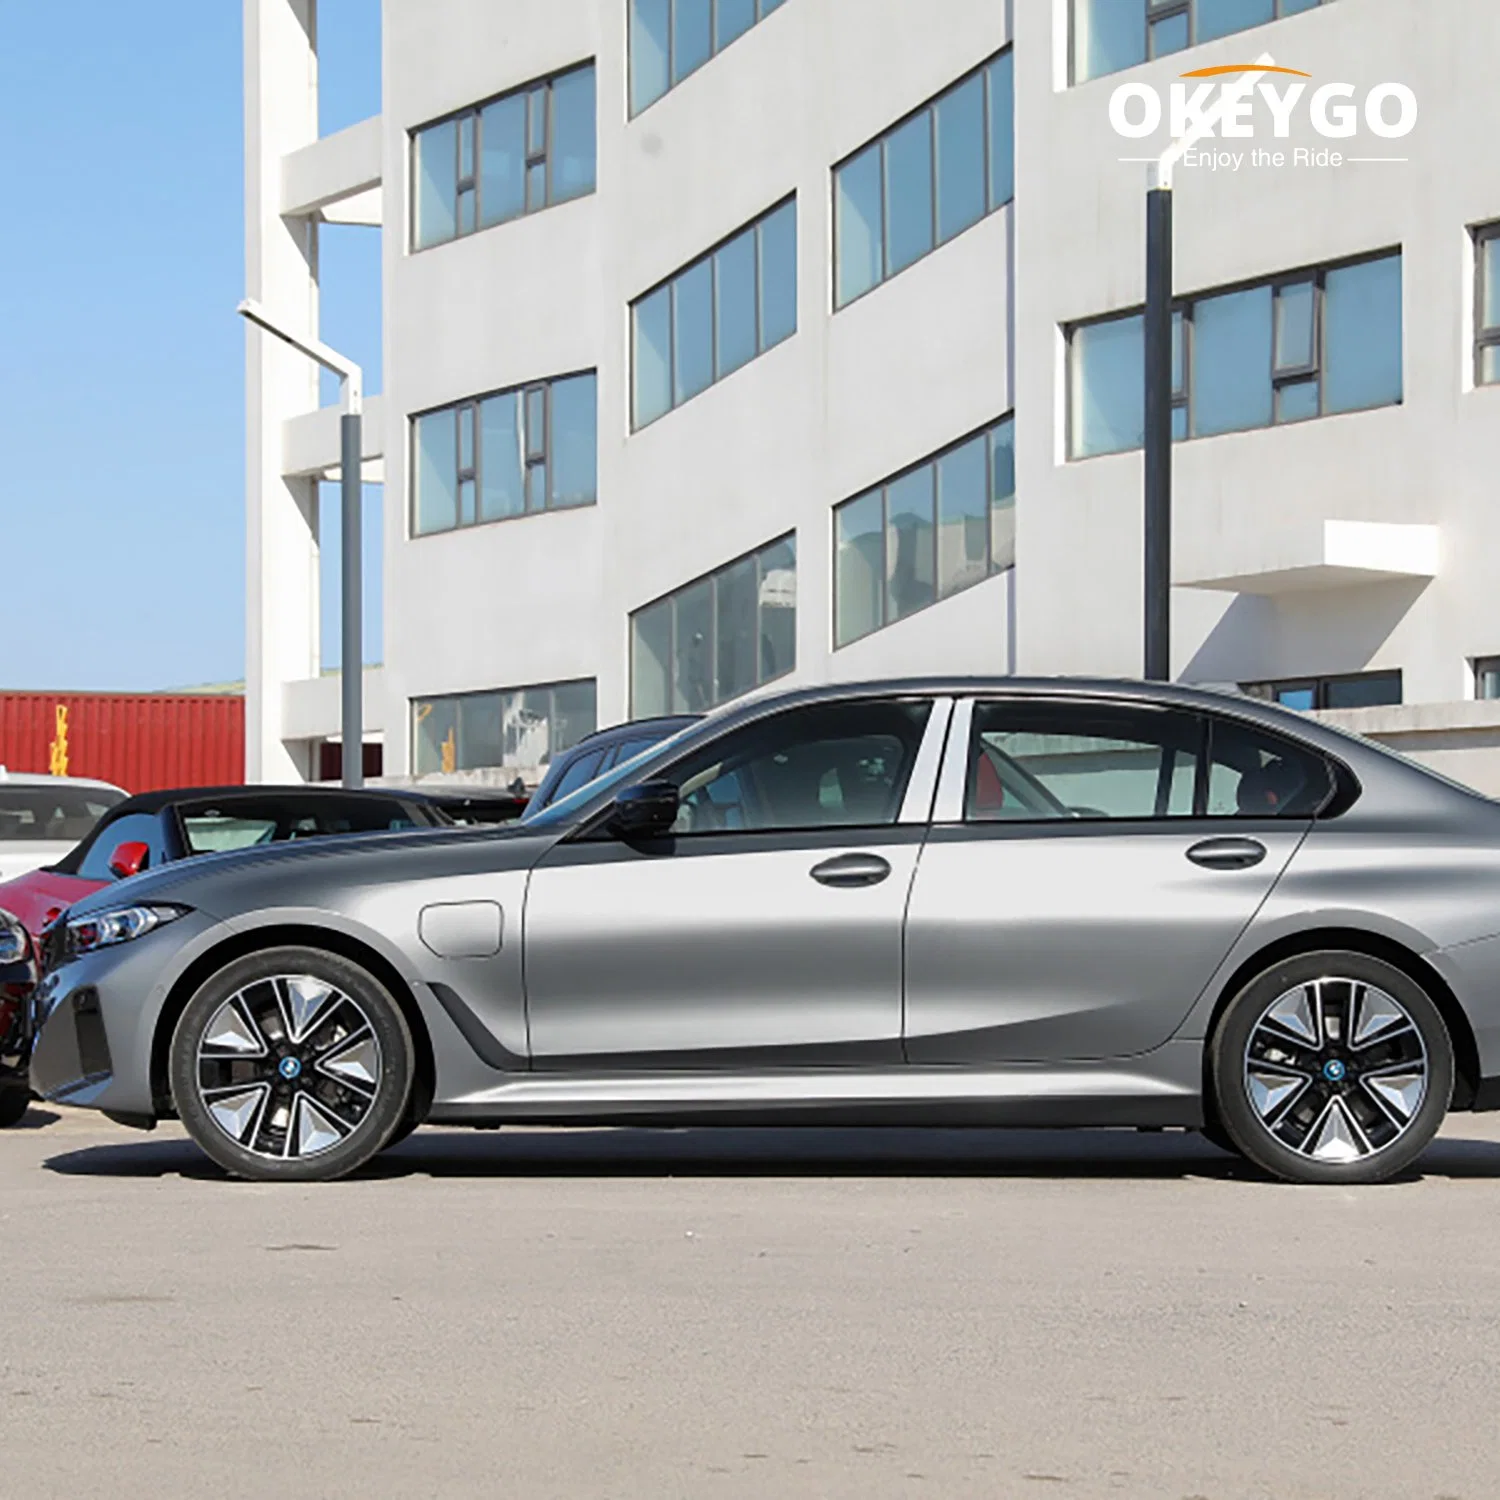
[(14, 1099), (1332, 1067), (292, 1065)]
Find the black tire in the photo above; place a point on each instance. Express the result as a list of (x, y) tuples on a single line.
[(1215, 1134), (263, 1110), (1382, 1139), (14, 1100)]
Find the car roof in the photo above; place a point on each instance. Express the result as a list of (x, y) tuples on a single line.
[(1124, 690), (631, 729), (32, 778), (151, 802)]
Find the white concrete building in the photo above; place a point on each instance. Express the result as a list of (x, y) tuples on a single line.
[(618, 467)]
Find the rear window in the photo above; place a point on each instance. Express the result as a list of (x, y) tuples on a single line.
[(59, 815), (209, 828)]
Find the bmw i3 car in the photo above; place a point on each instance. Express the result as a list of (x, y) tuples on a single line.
[(965, 901)]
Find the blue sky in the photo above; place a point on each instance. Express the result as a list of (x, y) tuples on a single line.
[(122, 508)]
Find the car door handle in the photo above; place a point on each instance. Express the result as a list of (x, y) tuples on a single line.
[(1227, 854), (851, 870)]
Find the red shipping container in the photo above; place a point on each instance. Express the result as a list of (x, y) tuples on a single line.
[(139, 741)]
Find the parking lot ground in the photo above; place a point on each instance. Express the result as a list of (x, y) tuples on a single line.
[(759, 1314)]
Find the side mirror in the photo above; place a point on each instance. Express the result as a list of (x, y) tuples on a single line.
[(644, 811), (129, 859)]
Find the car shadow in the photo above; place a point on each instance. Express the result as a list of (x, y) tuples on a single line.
[(34, 1119), (778, 1152)]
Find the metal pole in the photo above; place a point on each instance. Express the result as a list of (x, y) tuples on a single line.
[(351, 495), (1158, 487)]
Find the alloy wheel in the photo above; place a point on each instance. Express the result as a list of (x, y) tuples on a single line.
[(288, 1067), (1336, 1070)]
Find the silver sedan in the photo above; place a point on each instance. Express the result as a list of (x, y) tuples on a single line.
[(962, 901)]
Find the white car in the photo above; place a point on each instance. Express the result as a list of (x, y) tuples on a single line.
[(42, 817)]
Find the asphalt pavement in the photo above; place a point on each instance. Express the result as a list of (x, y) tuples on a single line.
[(659, 1314)]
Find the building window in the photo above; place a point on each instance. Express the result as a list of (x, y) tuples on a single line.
[(671, 38), (1487, 677), (1356, 690), (509, 454), (927, 179), (524, 151), (1487, 305), (1311, 343), (718, 636), (519, 729), (715, 315), (1109, 35), (932, 531)]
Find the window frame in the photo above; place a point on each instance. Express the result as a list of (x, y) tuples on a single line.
[(417, 701), (1156, 11), (1482, 666), (667, 283), (965, 745), (1485, 337), (711, 578), (470, 114), (1266, 691), (530, 459), (881, 487), (928, 106), (1183, 309), (764, 10)]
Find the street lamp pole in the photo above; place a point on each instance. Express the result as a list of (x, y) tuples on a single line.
[(1158, 444), (1157, 571), (351, 448)]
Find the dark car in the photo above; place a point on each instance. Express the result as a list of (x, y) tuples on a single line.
[(17, 980), (155, 828), (600, 752)]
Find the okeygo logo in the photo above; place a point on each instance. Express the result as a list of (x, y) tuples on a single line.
[(1208, 106)]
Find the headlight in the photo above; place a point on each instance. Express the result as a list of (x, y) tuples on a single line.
[(14, 944), (123, 925)]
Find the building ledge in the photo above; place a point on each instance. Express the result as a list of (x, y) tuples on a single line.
[(336, 177), (311, 444), (312, 708), (1289, 558), (1470, 716)]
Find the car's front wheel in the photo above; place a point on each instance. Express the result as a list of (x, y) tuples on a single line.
[(1332, 1067), (292, 1064)]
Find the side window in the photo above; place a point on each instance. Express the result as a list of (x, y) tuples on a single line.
[(580, 773), (842, 765), (629, 749), (133, 828), (1255, 774), (1032, 761), (212, 832)]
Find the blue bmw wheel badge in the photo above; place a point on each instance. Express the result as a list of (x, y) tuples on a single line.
[(1333, 1070), (289, 1067)]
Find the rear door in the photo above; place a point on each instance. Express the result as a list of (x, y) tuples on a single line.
[(1090, 865)]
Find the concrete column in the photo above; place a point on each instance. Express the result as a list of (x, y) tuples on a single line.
[(281, 272)]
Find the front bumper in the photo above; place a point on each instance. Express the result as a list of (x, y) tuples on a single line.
[(94, 1019)]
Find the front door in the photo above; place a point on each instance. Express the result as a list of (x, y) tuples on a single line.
[(765, 931), (1090, 866)]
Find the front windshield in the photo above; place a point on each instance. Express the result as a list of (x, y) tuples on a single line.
[(565, 807)]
